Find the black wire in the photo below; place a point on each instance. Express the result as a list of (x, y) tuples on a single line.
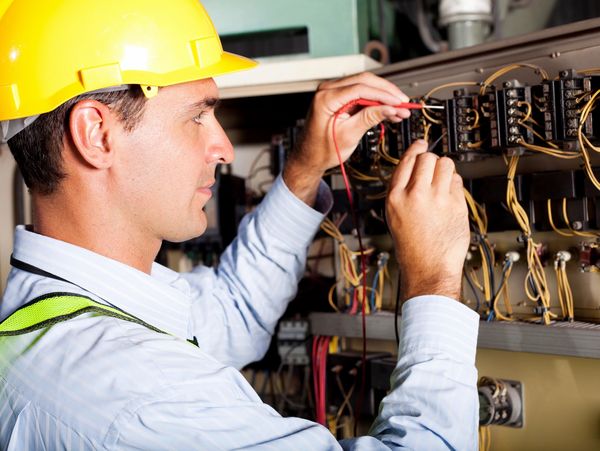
[(397, 312), (472, 286), (488, 258)]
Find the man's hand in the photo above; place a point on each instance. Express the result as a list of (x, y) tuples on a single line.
[(428, 218), (315, 153)]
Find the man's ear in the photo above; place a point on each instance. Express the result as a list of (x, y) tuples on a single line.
[(90, 125)]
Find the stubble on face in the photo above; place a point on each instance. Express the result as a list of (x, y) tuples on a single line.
[(171, 163)]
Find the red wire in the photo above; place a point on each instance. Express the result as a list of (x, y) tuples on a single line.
[(314, 374), (363, 258), (319, 358)]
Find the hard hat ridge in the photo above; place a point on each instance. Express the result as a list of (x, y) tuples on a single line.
[(55, 50)]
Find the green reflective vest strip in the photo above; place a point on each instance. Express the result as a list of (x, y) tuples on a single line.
[(54, 308)]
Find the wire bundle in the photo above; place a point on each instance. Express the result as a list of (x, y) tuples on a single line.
[(536, 284), (319, 366), (351, 277), (509, 261), (570, 232), (485, 438), (346, 397), (479, 224), (379, 281), (565, 294), (584, 142)]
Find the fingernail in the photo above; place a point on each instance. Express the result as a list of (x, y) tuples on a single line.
[(421, 142)]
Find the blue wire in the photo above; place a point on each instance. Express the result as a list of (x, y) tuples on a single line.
[(375, 280), (470, 283)]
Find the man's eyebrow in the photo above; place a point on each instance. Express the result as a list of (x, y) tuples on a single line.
[(205, 104)]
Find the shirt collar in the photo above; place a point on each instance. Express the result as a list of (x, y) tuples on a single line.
[(162, 299)]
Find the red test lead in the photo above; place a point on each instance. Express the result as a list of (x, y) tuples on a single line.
[(405, 105)]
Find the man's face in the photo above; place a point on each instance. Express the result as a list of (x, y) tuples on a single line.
[(167, 163)]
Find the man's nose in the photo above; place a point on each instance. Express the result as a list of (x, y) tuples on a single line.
[(221, 150)]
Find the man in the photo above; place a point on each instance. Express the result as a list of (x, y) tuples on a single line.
[(108, 108)]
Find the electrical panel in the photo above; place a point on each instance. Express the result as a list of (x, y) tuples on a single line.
[(524, 134)]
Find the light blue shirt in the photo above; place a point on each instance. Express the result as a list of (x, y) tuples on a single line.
[(97, 382)]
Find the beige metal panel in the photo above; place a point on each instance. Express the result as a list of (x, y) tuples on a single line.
[(7, 215), (562, 401)]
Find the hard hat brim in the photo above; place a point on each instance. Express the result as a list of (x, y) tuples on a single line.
[(231, 62)]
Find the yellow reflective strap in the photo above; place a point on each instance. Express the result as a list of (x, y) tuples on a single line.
[(53, 308)]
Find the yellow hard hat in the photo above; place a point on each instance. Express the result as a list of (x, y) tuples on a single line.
[(54, 50)]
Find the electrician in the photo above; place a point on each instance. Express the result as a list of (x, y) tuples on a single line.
[(109, 110)]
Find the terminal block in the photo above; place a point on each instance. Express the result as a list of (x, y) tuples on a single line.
[(365, 154), (513, 102), (488, 116), (561, 102), (462, 127), (414, 127), (589, 257), (292, 339), (396, 139)]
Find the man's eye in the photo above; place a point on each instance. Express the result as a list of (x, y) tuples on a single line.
[(198, 119)]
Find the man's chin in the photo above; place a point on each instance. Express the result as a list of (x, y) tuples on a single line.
[(179, 236)]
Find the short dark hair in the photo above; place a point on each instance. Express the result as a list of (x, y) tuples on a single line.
[(38, 148)]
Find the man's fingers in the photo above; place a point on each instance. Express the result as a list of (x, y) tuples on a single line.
[(422, 174), (366, 78), (443, 175), (358, 124), (457, 186), (404, 170), (335, 99)]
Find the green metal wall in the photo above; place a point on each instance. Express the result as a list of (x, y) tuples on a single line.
[(335, 27)]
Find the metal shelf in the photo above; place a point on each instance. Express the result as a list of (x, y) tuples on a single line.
[(576, 339)]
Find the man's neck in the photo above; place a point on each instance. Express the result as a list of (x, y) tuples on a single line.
[(95, 231)]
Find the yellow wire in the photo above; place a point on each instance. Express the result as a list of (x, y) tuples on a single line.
[(573, 231), (501, 290), (449, 85), (475, 279), (476, 145), (347, 261), (556, 229), (355, 173), (330, 298), (429, 118), (438, 88), (586, 71), (583, 140), (535, 274), (548, 151), (479, 217), (529, 109), (426, 128), (382, 148), (507, 69), (485, 438), (476, 120), (565, 294)]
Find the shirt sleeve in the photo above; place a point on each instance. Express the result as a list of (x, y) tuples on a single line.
[(237, 305), (433, 402)]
